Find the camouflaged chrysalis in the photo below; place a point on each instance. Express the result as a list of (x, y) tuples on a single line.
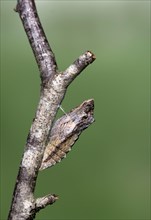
[(65, 132)]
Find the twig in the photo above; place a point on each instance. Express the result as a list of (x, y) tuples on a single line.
[(41, 203), (53, 88), (43, 53)]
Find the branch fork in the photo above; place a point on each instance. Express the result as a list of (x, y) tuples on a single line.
[(47, 142)]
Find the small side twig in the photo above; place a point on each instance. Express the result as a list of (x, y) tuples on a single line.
[(41, 203)]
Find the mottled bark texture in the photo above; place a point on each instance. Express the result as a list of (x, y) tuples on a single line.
[(53, 88)]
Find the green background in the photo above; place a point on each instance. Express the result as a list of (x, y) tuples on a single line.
[(106, 175)]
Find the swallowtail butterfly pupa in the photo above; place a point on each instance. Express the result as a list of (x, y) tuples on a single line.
[(65, 132)]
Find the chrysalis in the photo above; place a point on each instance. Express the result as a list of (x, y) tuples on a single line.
[(65, 132)]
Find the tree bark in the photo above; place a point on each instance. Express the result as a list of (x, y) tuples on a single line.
[(53, 88)]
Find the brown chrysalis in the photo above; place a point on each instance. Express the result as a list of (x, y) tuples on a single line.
[(65, 132)]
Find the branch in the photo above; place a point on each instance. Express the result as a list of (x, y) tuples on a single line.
[(41, 203), (53, 88), (65, 133), (43, 53), (77, 67)]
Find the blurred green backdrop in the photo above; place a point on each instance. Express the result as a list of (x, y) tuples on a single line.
[(106, 175)]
